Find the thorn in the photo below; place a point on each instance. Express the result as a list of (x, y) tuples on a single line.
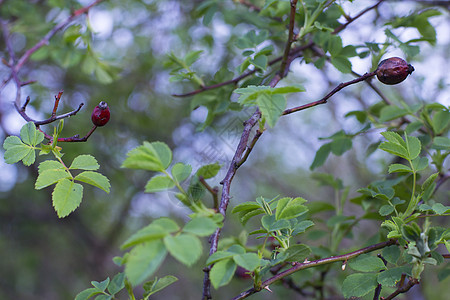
[(267, 288)]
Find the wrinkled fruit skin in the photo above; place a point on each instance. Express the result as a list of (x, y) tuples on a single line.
[(393, 70), (100, 115)]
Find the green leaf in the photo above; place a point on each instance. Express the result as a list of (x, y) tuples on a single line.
[(181, 172), (157, 284), (117, 283), (321, 156), (420, 163), (386, 210), (393, 168), (391, 254), (87, 293), (270, 224), (395, 145), (301, 227), (155, 156), (186, 248), (30, 135), (410, 233), (271, 106), (49, 177), (84, 162), (159, 183), (218, 256), (208, 171), (413, 145), (50, 165), (222, 272), (340, 145), (66, 197), (297, 252), (440, 121), (440, 209), (192, 57), (392, 276), (360, 284), (17, 151), (201, 226), (288, 208), (391, 112), (249, 261), (94, 178), (143, 260), (439, 143), (366, 263), (101, 285), (342, 64), (154, 231), (429, 181), (260, 62)]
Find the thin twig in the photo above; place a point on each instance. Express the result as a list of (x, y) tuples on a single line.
[(402, 289), (212, 190), (319, 262), (325, 99), (350, 20), (287, 48)]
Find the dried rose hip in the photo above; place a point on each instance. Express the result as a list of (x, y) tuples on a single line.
[(100, 115), (393, 70)]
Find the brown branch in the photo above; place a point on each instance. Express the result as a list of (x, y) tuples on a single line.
[(402, 289), (351, 20), (212, 190), (309, 264), (290, 40), (325, 99)]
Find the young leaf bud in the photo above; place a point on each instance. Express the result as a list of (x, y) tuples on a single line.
[(393, 70), (100, 115)]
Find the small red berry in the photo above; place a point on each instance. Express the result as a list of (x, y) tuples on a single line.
[(100, 115), (393, 70)]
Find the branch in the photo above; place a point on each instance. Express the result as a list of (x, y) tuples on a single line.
[(402, 289), (351, 20), (334, 91), (309, 264), (290, 40)]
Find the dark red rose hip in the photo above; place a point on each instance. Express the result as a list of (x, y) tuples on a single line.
[(100, 115), (393, 70)]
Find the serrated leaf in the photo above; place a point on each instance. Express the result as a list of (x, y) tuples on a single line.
[(321, 156), (87, 293), (157, 284), (222, 272), (143, 260), (219, 255), (385, 210), (249, 261), (49, 177), (117, 283), (155, 156), (440, 209), (288, 208), (154, 231), (360, 284), (84, 162), (391, 277), (429, 181), (50, 165), (391, 112), (94, 178), (413, 145), (17, 151), (342, 64), (208, 171), (393, 168), (391, 254), (366, 263), (181, 172), (271, 224), (30, 135), (101, 285), (186, 248), (201, 226), (159, 183), (441, 143), (66, 197), (271, 106)]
